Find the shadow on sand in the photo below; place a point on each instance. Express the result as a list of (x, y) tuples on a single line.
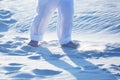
[(84, 70)]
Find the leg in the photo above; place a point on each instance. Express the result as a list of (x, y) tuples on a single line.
[(41, 20), (65, 21), (44, 10), (65, 25)]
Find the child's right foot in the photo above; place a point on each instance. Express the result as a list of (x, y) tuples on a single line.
[(33, 43)]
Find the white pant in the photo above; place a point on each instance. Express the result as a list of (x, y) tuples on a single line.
[(44, 10)]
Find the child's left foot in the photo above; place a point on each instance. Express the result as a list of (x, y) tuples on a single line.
[(33, 43), (71, 45)]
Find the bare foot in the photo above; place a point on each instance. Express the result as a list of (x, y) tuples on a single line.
[(71, 45), (33, 43)]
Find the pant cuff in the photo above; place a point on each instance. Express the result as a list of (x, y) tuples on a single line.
[(36, 37), (65, 41)]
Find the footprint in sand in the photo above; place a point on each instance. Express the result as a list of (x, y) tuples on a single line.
[(45, 72), (5, 50), (5, 20), (13, 68), (7, 46), (15, 64), (10, 47), (11, 44)]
